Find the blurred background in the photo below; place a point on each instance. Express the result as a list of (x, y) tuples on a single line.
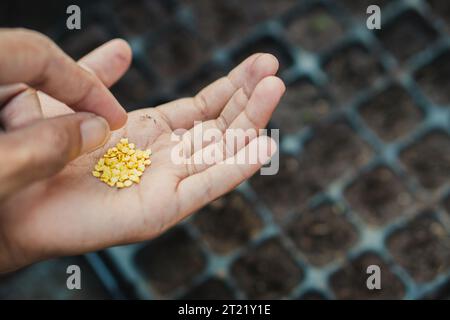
[(365, 150)]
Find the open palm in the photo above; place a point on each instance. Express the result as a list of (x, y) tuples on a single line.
[(73, 212)]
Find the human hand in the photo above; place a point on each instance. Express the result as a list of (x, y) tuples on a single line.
[(71, 212)]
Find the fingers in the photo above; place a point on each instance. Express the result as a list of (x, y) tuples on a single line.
[(108, 62), (35, 60), (23, 109), (210, 101), (197, 190), (243, 129), (44, 148)]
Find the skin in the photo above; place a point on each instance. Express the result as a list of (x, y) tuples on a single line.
[(70, 212)]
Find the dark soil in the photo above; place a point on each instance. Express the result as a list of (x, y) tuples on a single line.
[(351, 70), (211, 289), (359, 7), (81, 42), (224, 21), (303, 104), (316, 30), (350, 282), (378, 196), (391, 114), (312, 295), (429, 159), (47, 280), (335, 149), (267, 272), (139, 17), (133, 90), (227, 223), (221, 21), (322, 235), (407, 35), (442, 9), (176, 54), (422, 248), (265, 44), (434, 79), (287, 191), (170, 261)]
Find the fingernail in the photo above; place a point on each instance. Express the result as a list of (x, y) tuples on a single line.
[(94, 132)]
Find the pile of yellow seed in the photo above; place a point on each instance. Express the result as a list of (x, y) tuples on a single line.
[(122, 165)]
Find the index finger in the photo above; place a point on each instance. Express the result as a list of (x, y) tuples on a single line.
[(32, 58)]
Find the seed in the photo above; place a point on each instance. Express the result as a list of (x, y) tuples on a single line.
[(120, 184), (122, 165), (96, 174), (127, 183)]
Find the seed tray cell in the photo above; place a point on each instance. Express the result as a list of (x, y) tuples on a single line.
[(170, 261), (407, 35), (350, 282), (433, 170), (315, 30), (422, 248), (267, 271), (379, 196), (351, 70), (322, 235), (391, 113), (227, 223)]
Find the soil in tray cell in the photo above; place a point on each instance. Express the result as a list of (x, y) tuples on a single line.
[(378, 196), (315, 31), (170, 261), (391, 113), (267, 271), (429, 160), (322, 235), (422, 248), (350, 282), (351, 70), (227, 223), (407, 35)]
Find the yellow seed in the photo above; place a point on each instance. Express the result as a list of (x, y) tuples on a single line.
[(134, 178), (127, 183), (122, 165), (114, 179), (96, 174), (120, 184)]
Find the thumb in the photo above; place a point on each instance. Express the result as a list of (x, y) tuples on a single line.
[(44, 148)]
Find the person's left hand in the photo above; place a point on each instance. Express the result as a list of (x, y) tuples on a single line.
[(73, 212)]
